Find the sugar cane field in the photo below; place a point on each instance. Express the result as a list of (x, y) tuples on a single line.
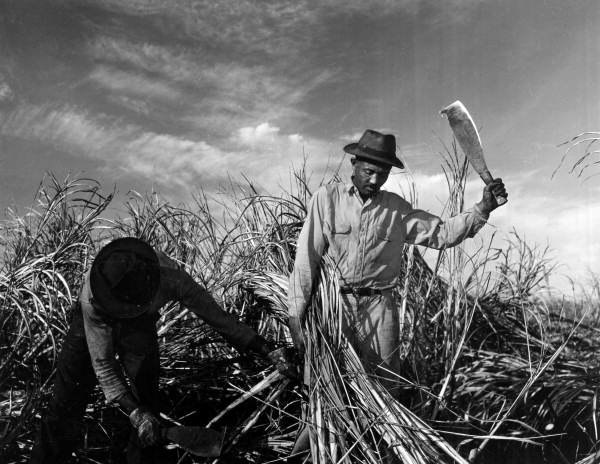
[(494, 372)]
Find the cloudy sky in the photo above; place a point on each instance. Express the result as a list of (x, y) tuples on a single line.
[(181, 94)]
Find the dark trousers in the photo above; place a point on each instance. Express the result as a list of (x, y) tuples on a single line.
[(60, 431)]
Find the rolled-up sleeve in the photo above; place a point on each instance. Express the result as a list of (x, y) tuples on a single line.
[(189, 293), (423, 228), (100, 344), (309, 251)]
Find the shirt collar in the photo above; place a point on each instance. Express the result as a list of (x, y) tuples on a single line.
[(350, 188)]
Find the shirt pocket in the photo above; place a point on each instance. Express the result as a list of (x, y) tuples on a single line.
[(341, 229), (340, 235)]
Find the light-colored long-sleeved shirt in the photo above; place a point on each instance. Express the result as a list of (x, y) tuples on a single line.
[(175, 285), (365, 239)]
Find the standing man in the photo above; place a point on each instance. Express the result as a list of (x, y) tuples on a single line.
[(363, 229), (116, 314)]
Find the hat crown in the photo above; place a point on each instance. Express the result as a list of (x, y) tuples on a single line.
[(383, 143), (125, 277), (128, 275), (376, 147)]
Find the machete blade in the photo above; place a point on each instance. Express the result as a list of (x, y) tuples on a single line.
[(466, 133), (199, 441)]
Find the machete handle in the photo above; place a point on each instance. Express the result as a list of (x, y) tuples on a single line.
[(501, 200), (487, 178)]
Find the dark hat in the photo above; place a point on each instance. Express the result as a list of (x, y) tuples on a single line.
[(125, 277), (377, 147)]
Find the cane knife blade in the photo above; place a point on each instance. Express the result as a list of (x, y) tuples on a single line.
[(466, 134)]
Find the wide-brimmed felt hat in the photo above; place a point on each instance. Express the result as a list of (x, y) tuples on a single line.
[(125, 277), (377, 147)]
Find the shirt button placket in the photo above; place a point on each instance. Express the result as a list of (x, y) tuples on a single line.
[(363, 230), (356, 253)]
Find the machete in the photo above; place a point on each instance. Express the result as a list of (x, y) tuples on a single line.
[(199, 441), (466, 133)]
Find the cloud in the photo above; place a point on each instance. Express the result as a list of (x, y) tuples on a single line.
[(6, 93), (276, 27), (173, 63), (568, 228), (126, 148), (348, 138), (216, 45), (136, 105), (262, 152), (568, 224), (269, 139), (172, 161), (133, 84), (227, 65), (269, 155), (212, 92), (239, 96), (264, 132)]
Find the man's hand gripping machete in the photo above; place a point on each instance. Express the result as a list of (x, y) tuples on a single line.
[(468, 138)]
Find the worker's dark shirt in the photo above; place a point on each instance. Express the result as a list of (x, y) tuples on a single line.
[(175, 285)]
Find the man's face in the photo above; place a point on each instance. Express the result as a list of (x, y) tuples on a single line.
[(368, 177)]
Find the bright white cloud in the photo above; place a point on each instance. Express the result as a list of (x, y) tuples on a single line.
[(269, 155), (295, 138), (266, 140), (264, 132), (347, 138), (6, 92)]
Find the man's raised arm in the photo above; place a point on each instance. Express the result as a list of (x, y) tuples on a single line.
[(426, 229)]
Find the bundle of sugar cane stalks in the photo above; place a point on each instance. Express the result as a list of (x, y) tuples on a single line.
[(351, 416)]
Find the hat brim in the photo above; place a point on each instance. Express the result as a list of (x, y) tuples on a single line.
[(101, 291), (356, 150)]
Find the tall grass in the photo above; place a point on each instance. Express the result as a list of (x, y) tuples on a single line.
[(45, 252), (491, 369), (587, 161)]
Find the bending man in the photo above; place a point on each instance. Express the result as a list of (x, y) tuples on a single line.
[(116, 313)]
